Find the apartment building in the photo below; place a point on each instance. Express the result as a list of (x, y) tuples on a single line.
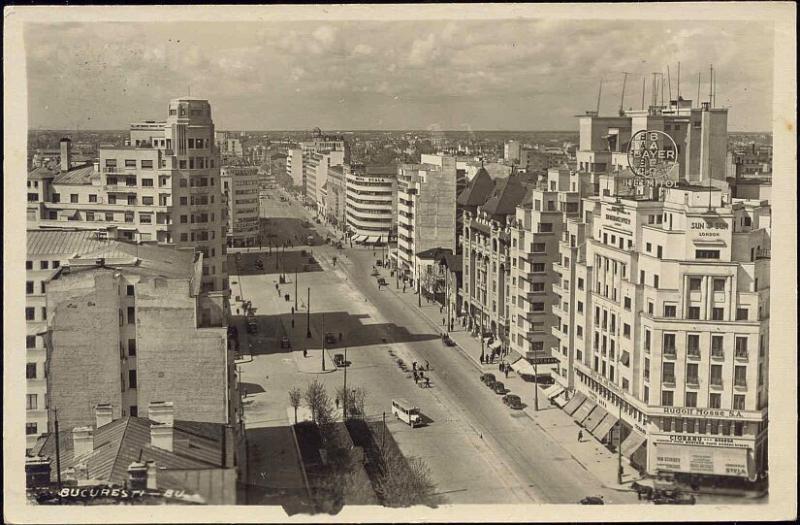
[(294, 168), (487, 259), (163, 187), (47, 252), (240, 194), (370, 203), (315, 168), (511, 151), (669, 330), (127, 325), (336, 196), (426, 210)]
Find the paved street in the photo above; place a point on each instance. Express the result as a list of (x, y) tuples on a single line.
[(477, 449)]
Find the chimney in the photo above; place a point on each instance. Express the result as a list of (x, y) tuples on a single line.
[(37, 471), (66, 153), (161, 436), (82, 440), (97, 166), (152, 475), (137, 476), (162, 412), (103, 414)]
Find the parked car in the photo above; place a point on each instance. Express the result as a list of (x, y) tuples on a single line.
[(487, 379), (330, 338), (449, 341), (285, 342), (672, 497), (378, 262), (499, 387), (592, 500), (338, 359), (512, 401)]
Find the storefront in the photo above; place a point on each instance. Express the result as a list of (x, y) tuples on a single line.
[(708, 457)]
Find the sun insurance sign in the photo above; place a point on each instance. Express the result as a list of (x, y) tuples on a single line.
[(653, 159)]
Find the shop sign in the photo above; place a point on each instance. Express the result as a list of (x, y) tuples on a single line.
[(652, 157), (702, 440), (708, 412), (697, 460)]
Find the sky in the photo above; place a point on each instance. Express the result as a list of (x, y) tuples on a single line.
[(517, 74)]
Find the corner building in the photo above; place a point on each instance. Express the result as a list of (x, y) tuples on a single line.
[(669, 330)]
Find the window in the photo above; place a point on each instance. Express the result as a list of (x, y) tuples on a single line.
[(131, 315), (129, 290), (134, 411), (538, 267), (145, 218), (182, 183), (655, 281), (738, 401), (537, 287), (182, 164), (580, 307), (73, 198), (30, 371), (44, 312), (648, 246), (626, 330), (109, 216), (669, 344), (539, 247), (184, 219), (741, 314), (147, 164), (647, 394), (716, 375), (131, 378), (580, 283), (579, 331), (692, 377), (666, 398), (131, 347), (147, 201), (741, 348), (647, 340), (147, 183), (693, 345), (31, 428), (56, 197), (44, 265), (706, 254), (719, 285), (28, 287), (29, 313), (93, 198), (716, 346), (659, 251), (738, 427), (29, 265), (668, 372), (691, 399), (130, 163), (670, 310), (694, 284), (31, 401), (693, 313), (718, 314), (740, 376), (627, 303), (714, 401), (30, 341)]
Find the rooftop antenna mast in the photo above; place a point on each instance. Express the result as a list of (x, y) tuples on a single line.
[(644, 84), (711, 84), (654, 97), (679, 80), (599, 93), (669, 83), (622, 98), (699, 77), (662, 88)]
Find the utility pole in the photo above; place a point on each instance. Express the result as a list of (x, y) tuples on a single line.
[(480, 334), (383, 433), (679, 80), (58, 452), (295, 289), (344, 388), (699, 76), (419, 289), (599, 93), (323, 342), (536, 386), (644, 84), (308, 314), (710, 84), (669, 83)]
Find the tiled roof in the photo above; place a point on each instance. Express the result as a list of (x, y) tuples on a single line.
[(478, 189), (61, 242), (124, 441), (434, 253), (507, 194), (80, 175), (44, 172)]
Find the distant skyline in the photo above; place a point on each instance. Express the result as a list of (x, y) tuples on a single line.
[(459, 75)]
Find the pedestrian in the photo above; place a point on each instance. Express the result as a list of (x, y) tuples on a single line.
[(505, 370), (414, 365), (427, 382), (292, 322), (416, 377), (427, 365), (276, 286), (305, 354), (441, 309), (482, 359), (337, 402), (292, 310), (580, 436), (444, 321)]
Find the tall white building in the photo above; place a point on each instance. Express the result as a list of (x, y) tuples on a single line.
[(240, 192), (370, 202)]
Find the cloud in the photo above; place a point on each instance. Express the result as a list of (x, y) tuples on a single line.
[(423, 51), (362, 50)]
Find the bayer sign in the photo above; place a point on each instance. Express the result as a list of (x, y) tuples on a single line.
[(652, 154)]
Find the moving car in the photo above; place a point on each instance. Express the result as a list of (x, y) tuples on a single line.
[(405, 411), (592, 500), (512, 401), (499, 387)]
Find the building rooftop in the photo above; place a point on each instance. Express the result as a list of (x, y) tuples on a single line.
[(124, 441), (434, 253), (507, 194), (63, 242), (478, 189), (79, 175)]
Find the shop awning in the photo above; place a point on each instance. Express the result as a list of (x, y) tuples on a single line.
[(632, 443), (574, 403), (604, 427), (358, 238), (560, 399), (513, 357), (594, 418), (553, 390), (583, 411), (371, 240), (497, 344), (523, 367)]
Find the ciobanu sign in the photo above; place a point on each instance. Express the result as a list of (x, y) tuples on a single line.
[(652, 157)]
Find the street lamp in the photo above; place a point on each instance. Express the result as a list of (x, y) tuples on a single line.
[(323, 342)]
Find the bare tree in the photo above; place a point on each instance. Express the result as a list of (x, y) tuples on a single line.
[(354, 399), (322, 410), (295, 397)]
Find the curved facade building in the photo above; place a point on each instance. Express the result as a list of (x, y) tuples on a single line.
[(370, 202)]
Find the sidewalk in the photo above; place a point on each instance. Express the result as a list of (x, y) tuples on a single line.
[(589, 453)]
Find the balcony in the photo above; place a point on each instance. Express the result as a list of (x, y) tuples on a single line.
[(716, 383), (669, 381), (717, 355), (693, 381), (670, 353), (740, 383), (740, 356), (693, 353)]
